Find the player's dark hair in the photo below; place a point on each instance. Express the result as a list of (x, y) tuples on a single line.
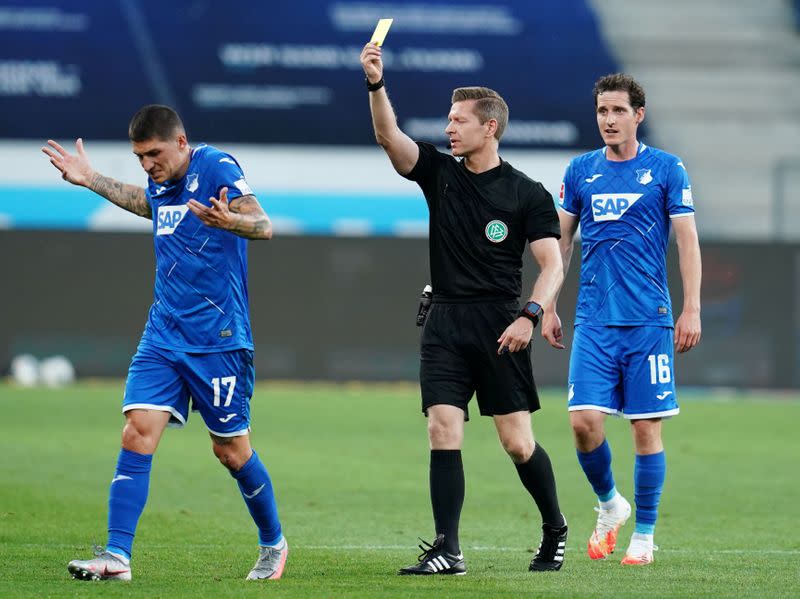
[(489, 105), (620, 82), (154, 121)]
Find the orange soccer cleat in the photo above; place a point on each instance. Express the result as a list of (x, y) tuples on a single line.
[(604, 538), (640, 551)]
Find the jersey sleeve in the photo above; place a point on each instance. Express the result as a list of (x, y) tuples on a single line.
[(148, 192), (541, 218), (425, 168), (679, 190), (228, 173), (425, 171), (568, 198)]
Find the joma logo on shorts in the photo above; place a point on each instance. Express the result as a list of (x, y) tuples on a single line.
[(610, 206), (169, 217)]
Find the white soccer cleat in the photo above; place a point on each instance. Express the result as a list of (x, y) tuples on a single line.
[(105, 566), (604, 538), (270, 563), (640, 551)]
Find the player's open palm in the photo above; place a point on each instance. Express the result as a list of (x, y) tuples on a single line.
[(74, 168), (372, 63), (687, 331), (218, 214), (551, 329)]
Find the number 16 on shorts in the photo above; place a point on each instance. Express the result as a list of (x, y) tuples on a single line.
[(660, 370)]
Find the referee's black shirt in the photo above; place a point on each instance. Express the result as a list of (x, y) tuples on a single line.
[(480, 225)]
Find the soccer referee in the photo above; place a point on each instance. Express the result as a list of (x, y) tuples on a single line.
[(483, 212)]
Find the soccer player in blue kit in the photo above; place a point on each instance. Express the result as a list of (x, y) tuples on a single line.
[(625, 196), (197, 345)]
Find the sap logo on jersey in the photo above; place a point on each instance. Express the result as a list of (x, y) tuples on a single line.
[(169, 217), (610, 206)]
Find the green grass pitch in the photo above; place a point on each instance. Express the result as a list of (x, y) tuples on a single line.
[(349, 464)]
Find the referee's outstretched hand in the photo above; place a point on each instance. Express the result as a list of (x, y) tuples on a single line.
[(517, 336), (372, 63)]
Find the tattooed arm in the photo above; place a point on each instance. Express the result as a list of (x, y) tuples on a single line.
[(76, 169), (129, 197), (251, 220), (243, 216)]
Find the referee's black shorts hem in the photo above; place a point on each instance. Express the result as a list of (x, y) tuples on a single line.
[(459, 358)]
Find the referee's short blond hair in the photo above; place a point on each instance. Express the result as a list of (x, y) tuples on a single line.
[(489, 105)]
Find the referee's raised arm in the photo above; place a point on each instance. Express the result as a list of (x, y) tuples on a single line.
[(400, 148)]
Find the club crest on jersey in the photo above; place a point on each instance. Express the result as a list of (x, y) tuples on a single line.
[(611, 206), (644, 176), (192, 183), (496, 231), (169, 217)]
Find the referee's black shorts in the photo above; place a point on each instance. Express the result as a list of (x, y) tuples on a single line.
[(459, 358)]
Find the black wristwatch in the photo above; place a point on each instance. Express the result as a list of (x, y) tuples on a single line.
[(532, 311), (373, 87)]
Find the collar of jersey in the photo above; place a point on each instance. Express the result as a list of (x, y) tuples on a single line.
[(492, 173), (639, 152), (169, 183)]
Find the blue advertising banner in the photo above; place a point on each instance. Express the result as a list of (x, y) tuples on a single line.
[(68, 68), (288, 72)]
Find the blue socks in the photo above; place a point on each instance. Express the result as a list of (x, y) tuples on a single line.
[(648, 477), (256, 488), (126, 500), (596, 465), (131, 482)]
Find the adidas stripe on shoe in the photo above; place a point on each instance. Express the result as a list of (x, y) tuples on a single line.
[(435, 560), (550, 555)]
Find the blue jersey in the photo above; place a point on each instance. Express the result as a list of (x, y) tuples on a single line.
[(624, 210), (200, 299)]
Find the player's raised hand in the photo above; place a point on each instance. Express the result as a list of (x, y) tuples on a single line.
[(551, 329), (372, 62), (218, 214), (516, 337), (74, 168), (687, 331)]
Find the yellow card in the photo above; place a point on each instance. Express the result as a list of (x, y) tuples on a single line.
[(380, 31)]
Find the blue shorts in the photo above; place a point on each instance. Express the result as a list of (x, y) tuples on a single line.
[(623, 370), (219, 385)]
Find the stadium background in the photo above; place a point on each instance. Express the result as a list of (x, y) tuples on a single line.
[(334, 294), (279, 86)]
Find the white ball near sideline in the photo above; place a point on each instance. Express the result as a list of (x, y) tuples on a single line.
[(25, 370), (56, 371)]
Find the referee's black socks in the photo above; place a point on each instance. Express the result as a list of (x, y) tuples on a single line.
[(447, 494), (537, 476)]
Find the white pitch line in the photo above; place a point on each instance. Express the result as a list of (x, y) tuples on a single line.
[(571, 550), (477, 548)]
